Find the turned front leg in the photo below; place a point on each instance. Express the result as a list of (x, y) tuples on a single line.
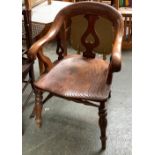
[(38, 107), (103, 124)]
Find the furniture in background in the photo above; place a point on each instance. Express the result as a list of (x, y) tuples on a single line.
[(123, 3), (27, 70), (41, 14), (126, 11), (38, 17), (127, 14), (82, 78), (106, 1), (27, 64), (33, 29), (27, 79)]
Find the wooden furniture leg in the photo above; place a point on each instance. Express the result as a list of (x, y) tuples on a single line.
[(38, 107), (45, 100), (103, 124)]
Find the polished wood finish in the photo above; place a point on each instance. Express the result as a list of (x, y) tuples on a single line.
[(80, 78), (92, 84), (89, 46), (103, 123), (59, 21)]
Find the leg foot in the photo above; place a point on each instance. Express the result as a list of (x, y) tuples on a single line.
[(103, 124), (38, 108)]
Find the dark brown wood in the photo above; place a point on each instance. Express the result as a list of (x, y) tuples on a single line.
[(77, 77), (112, 2), (80, 78), (90, 30), (46, 62), (116, 4), (29, 4), (28, 27), (103, 124), (112, 15), (127, 38), (27, 64), (45, 100)]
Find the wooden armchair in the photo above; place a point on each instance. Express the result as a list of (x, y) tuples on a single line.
[(81, 78)]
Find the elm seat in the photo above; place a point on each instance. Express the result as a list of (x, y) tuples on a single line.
[(63, 79)]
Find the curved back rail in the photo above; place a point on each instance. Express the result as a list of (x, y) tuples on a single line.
[(91, 11)]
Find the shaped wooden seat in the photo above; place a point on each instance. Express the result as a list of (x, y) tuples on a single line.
[(77, 77), (81, 78)]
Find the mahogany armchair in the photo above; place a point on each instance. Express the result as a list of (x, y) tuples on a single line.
[(81, 78)]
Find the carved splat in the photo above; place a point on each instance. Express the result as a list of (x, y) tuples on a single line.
[(90, 31)]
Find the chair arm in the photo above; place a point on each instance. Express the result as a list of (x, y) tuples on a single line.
[(116, 57), (50, 35)]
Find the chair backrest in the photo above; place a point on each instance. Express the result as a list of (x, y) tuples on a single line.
[(107, 36), (92, 11)]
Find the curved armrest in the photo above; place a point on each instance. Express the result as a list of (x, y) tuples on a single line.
[(115, 64), (50, 35), (116, 55)]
